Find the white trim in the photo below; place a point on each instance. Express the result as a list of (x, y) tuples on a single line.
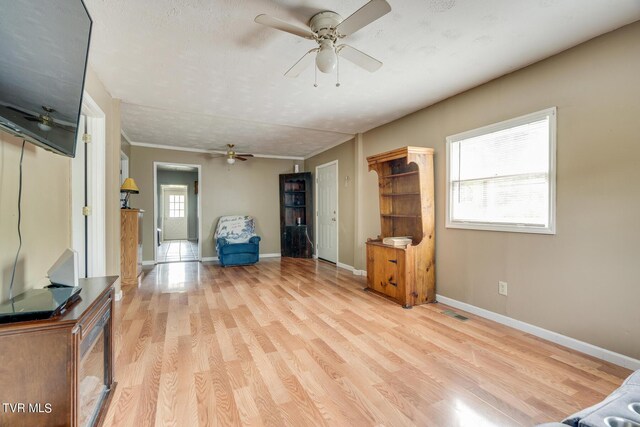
[(322, 150), (572, 343), (201, 150), (352, 269), (124, 166), (92, 122), (155, 206), (119, 294), (315, 196), (505, 124), (126, 137), (149, 262), (215, 258)]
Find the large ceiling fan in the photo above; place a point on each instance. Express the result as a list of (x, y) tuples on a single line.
[(44, 121), (327, 28), (231, 155)]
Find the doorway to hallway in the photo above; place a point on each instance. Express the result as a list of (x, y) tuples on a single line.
[(177, 212)]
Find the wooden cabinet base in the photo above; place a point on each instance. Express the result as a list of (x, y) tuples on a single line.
[(130, 246), (392, 272), (59, 371)]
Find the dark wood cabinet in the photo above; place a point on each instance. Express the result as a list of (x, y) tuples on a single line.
[(296, 215), (405, 274), (61, 369)]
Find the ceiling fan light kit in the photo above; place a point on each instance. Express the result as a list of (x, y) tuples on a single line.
[(327, 28)]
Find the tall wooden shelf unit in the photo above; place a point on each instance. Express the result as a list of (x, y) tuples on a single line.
[(296, 215), (405, 180)]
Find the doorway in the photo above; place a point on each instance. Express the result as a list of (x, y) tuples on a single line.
[(177, 212), (327, 211), (88, 194)]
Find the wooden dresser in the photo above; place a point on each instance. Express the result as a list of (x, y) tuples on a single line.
[(60, 369), (130, 245), (405, 180)]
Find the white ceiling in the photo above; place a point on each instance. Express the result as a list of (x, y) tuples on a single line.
[(201, 74)]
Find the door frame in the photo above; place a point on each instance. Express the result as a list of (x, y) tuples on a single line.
[(95, 125), (317, 221), (155, 206)]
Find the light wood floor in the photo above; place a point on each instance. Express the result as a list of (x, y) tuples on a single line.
[(297, 342)]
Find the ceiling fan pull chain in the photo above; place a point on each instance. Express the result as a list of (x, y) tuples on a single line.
[(315, 81), (338, 71)]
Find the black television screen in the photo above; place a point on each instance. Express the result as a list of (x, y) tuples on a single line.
[(43, 58)]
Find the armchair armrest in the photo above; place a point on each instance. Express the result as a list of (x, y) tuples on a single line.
[(221, 241), (255, 240)]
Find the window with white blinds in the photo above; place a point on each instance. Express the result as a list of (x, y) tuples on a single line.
[(502, 177)]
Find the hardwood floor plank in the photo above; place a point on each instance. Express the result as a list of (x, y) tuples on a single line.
[(297, 342)]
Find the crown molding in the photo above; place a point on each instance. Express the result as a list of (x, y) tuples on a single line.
[(200, 150)]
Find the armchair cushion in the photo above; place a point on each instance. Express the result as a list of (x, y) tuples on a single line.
[(235, 229)]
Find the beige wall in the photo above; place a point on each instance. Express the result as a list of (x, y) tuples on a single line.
[(246, 188), (46, 203), (345, 155), (46, 227), (584, 281)]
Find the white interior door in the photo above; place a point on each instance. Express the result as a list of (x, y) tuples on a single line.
[(88, 189), (174, 208), (78, 230), (327, 212)]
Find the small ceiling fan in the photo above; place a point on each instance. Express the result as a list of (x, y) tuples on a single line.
[(327, 28), (44, 121), (231, 155)]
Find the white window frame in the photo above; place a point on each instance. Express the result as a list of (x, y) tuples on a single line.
[(518, 228)]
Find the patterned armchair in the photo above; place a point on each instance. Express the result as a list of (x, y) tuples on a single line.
[(236, 240)]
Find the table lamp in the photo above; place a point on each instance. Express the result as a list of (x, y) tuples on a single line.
[(128, 187)]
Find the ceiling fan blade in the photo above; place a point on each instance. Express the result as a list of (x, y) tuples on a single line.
[(364, 16), (18, 110), (281, 25), (244, 155), (359, 58), (64, 127), (32, 118), (240, 158), (302, 64)]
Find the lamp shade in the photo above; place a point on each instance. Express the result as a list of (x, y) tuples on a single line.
[(129, 186)]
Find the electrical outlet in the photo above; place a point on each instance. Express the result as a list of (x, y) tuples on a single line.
[(502, 288)]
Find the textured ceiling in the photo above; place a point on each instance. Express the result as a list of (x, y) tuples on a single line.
[(201, 74)]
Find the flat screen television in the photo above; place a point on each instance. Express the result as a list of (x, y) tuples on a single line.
[(44, 47)]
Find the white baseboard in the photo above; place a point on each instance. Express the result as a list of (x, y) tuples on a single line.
[(352, 269), (215, 258), (572, 343), (149, 262), (119, 295)]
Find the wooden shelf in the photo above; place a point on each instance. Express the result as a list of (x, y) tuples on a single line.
[(399, 194), (399, 175), (400, 216)]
